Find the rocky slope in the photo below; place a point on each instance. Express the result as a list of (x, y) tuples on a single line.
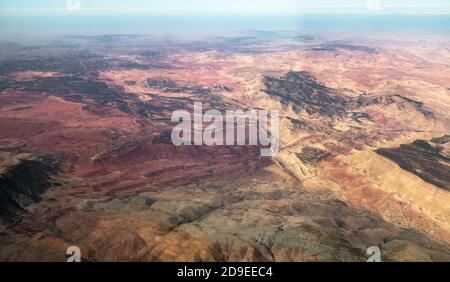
[(23, 178), (425, 159)]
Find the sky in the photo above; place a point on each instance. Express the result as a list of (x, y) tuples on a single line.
[(40, 17), (120, 7)]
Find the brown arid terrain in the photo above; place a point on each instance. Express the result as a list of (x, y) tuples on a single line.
[(86, 157)]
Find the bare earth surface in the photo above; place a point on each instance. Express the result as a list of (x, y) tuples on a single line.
[(86, 157)]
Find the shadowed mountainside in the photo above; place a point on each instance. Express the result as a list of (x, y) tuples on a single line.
[(23, 178), (425, 159)]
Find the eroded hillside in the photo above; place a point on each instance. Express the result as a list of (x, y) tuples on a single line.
[(87, 158)]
